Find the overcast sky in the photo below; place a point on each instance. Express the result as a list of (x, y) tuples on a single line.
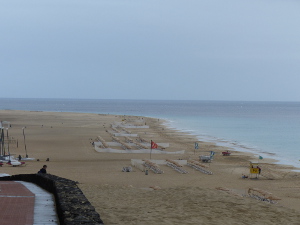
[(142, 49)]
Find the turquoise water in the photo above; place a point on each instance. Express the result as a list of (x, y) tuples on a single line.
[(269, 129)]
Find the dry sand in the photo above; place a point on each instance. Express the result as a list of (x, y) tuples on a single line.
[(127, 197)]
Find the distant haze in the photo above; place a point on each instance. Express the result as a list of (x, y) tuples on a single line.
[(130, 49)]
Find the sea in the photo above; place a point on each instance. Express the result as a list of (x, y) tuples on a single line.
[(266, 129)]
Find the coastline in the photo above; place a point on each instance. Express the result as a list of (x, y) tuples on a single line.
[(237, 147), (261, 141), (66, 138)]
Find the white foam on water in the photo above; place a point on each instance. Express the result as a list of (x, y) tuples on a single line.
[(280, 157)]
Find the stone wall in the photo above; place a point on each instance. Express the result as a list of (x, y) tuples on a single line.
[(72, 207)]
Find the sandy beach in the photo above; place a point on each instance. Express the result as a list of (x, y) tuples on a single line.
[(136, 198)]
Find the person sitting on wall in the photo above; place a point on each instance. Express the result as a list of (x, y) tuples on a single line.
[(44, 169)]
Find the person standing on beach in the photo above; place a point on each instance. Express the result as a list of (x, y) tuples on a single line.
[(259, 169), (44, 169)]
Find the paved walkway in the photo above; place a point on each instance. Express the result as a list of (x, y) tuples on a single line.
[(23, 203), (16, 204)]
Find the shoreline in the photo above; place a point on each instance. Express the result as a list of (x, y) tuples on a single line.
[(137, 198), (271, 157), (65, 105)]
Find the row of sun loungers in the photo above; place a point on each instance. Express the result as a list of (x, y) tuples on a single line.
[(229, 191), (130, 124), (128, 140), (254, 193), (118, 131), (115, 130), (260, 198), (127, 131), (103, 142), (176, 167), (199, 168), (199, 164), (262, 195), (143, 140), (124, 145), (174, 162), (140, 146), (152, 166)]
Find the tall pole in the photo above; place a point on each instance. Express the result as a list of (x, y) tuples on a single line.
[(151, 149), (2, 141), (24, 141), (1, 137), (7, 141), (8, 152), (196, 147)]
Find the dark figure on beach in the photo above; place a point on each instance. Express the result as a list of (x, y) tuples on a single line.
[(43, 170), (259, 169)]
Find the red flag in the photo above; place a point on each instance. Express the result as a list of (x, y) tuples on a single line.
[(153, 145)]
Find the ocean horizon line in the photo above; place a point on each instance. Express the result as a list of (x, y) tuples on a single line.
[(121, 99)]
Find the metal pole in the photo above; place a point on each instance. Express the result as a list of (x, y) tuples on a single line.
[(2, 141), (7, 142), (151, 149), (25, 141), (196, 147)]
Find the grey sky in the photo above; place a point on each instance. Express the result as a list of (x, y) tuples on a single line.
[(129, 49)]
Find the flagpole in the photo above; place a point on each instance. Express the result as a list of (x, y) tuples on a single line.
[(196, 147), (151, 149)]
